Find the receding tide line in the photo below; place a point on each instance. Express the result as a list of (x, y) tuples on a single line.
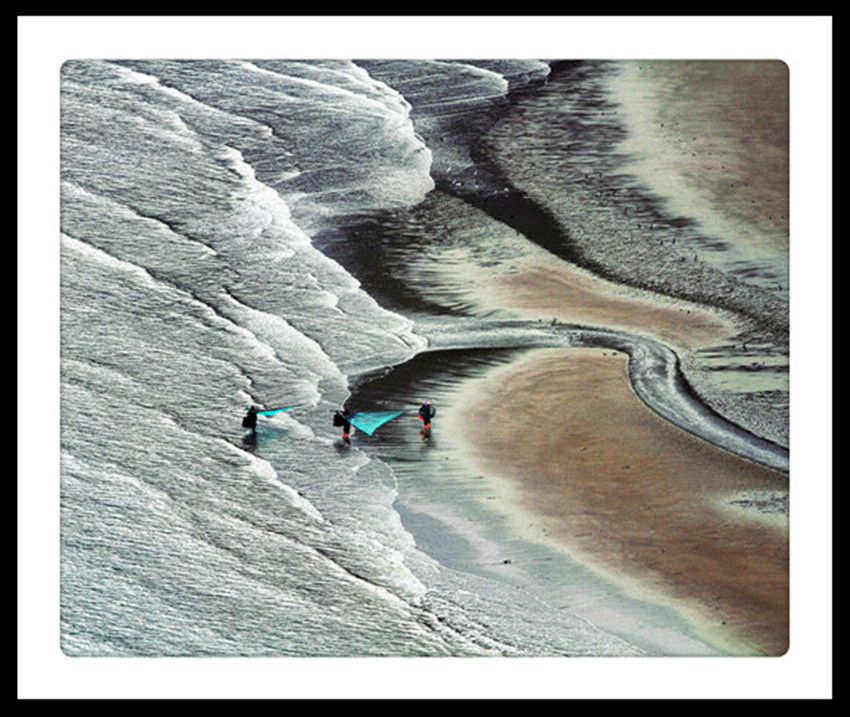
[(653, 370)]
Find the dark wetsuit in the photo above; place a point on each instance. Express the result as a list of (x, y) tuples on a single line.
[(341, 419), (250, 420), (426, 413)]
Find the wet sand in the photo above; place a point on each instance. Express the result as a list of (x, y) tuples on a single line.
[(663, 514), (544, 289), (712, 138)]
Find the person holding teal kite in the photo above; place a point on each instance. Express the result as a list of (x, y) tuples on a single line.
[(343, 418), (250, 419), (366, 421)]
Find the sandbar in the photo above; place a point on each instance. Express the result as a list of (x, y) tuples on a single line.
[(592, 469)]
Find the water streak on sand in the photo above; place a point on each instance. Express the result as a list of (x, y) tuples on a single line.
[(653, 371)]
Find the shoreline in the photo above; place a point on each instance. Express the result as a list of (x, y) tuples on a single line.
[(660, 515)]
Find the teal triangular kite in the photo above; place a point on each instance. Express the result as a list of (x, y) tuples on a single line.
[(371, 421)]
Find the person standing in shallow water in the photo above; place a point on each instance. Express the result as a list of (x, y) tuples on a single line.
[(250, 421), (341, 419), (426, 413)]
